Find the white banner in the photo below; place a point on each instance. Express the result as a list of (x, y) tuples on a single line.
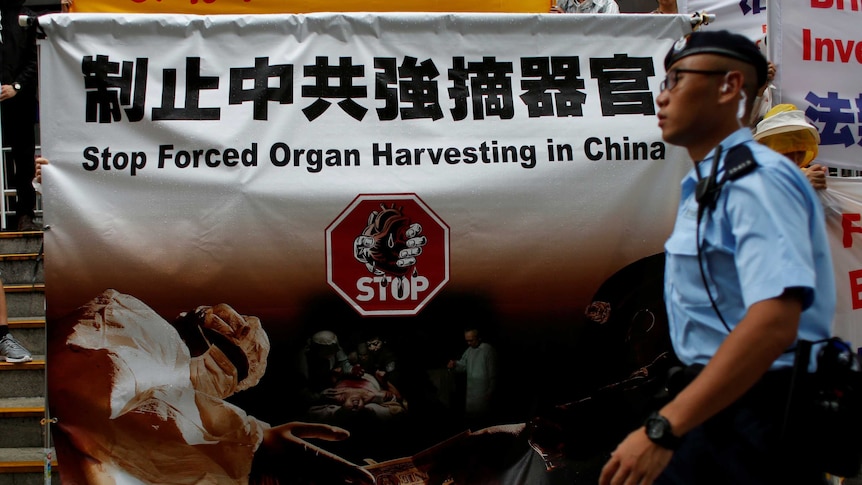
[(350, 182), (746, 17), (819, 56), (842, 201), (217, 130), (352, 179)]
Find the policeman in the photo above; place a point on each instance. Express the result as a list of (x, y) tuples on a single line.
[(748, 273)]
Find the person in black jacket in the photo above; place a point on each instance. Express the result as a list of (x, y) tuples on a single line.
[(19, 106)]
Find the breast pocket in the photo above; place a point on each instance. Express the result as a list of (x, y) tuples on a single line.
[(683, 271)]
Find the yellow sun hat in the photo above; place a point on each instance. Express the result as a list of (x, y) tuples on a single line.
[(785, 130)]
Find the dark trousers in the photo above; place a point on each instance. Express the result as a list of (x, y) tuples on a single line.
[(744, 444), (18, 116)]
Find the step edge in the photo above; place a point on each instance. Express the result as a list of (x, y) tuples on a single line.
[(37, 363), (20, 234), (21, 288), (28, 412), (26, 322), (24, 466), (19, 256)]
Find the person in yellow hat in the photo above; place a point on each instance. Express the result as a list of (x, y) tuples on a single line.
[(785, 130)]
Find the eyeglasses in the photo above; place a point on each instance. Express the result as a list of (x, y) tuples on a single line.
[(673, 77)]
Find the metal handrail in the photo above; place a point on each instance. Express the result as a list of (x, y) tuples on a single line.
[(6, 191)]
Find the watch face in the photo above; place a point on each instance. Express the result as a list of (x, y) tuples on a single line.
[(655, 428), (16, 86), (658, 430)]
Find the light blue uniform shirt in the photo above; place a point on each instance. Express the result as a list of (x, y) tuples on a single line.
[(766, 233)]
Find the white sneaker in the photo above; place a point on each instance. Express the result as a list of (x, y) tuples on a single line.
[(12, 351)]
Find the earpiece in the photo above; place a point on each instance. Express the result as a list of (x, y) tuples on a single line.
[(725, 87), (740, 111)]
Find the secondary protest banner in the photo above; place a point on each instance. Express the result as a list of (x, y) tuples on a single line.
[(842, 201), (819, 53), (243, 206), (746, 17)]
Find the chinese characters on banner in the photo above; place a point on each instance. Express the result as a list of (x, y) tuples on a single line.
[(409, 90)]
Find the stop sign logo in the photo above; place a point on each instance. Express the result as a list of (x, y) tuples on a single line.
[(387, 254)]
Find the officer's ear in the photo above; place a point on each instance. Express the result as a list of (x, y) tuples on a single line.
[(733, 81)]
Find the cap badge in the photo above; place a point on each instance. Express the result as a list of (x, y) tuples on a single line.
[(680, 44)]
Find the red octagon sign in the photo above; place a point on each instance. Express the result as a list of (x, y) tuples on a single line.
[(387, 254)]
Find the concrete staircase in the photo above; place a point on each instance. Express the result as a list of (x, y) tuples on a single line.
[(23, 425)]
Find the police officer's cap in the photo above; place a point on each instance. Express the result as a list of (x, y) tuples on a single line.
[(722, 43)]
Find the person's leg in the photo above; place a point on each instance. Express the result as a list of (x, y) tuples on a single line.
[(10, 349), (742, 445), (693, 463), (755, 454), (25, 169), (19, 118)]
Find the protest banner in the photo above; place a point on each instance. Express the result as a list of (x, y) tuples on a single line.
[(819, 60), (241, 206), (746, 17), (244, 199)]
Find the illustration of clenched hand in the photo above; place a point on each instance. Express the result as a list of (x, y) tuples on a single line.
[(390, 243)]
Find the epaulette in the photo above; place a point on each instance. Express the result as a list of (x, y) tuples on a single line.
[(738, 163)]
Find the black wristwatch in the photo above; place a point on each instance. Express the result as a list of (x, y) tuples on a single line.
[(659, 432), (16, 86)]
